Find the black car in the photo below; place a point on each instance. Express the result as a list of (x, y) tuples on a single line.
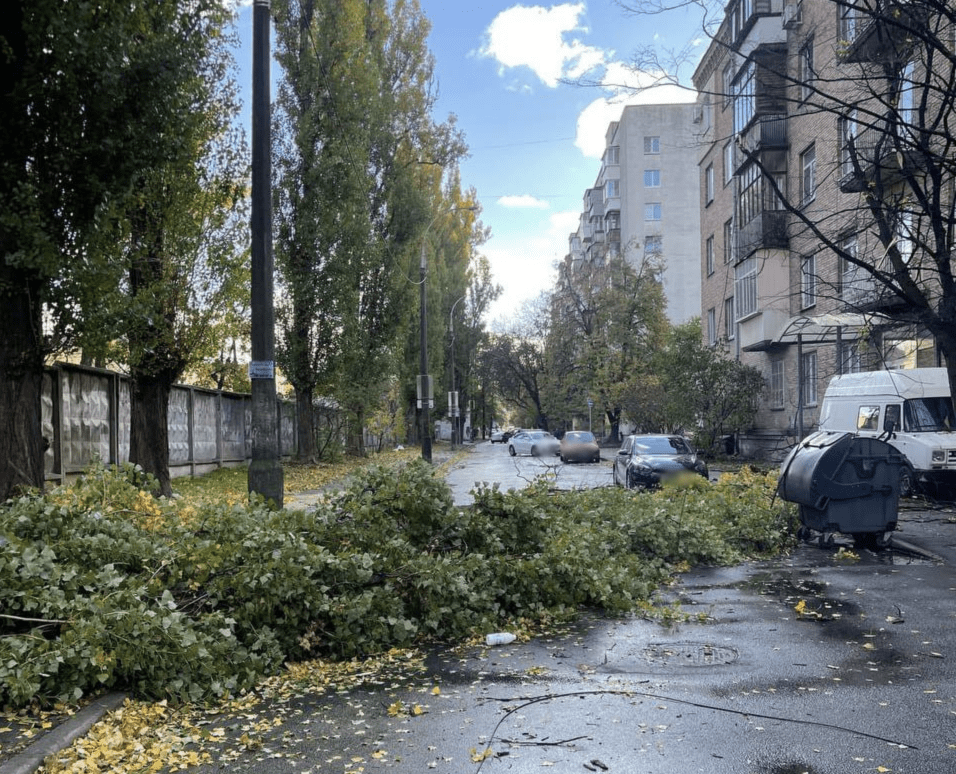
[(643, 461)]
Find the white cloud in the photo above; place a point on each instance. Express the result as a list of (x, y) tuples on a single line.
[(539, 38), (523, 201), (525, 266), (624, 86)]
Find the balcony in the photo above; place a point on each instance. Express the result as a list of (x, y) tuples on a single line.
[(879, 161), (880, 30), (767, 230), (766, 133)]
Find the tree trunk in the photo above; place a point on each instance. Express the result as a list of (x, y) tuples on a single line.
[(305, 418), (149, 428), (21, 381), (357, 439)]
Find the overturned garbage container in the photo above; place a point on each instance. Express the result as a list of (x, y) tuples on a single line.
[(844, 483)]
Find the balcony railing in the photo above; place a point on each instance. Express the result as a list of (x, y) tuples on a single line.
[(767, 132), (878, 159), (767, 230), (879, 31)]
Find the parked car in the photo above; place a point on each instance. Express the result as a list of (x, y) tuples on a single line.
[(537, 443), (643, 461), (579, 446), (501, 436)]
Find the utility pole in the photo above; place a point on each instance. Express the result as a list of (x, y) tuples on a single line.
[(265, 471)]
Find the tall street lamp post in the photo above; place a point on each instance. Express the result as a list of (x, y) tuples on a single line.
[(265, 471), (425, 392), (424, 380), (453, 410)]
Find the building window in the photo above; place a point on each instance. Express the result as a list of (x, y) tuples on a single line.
[(709, 183), (727, 85), (745, 287), (709, 254), (808, 378), (847, 137), (745, 98), (741, 16), (778, 384), (907, 99), (652, 178), (612, 155), (848, 269), (652, 211), (612, 220), (905, 235), (808, 179), (612, 189), (729, 324), (652, 145), (851, 21), (729, 241), (851, 362), (711, 326), (749, 198), (807, 75), (728, 163), (808, 281), (653, 245)]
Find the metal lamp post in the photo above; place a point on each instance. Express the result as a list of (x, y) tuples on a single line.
[(425, 392), (453, 410), (265, 471), (424, 380)]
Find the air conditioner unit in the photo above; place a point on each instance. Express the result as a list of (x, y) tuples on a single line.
[(791, 15)]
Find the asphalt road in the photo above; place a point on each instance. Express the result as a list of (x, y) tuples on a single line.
[(490, 463)]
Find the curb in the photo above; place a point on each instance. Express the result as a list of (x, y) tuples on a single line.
[(30, 759)]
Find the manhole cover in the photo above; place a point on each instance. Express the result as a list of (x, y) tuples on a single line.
[(690, 654)]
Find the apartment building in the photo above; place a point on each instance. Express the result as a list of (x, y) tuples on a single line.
[(793, 151), (644, 202)]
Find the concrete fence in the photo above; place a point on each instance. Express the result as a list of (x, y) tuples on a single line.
[(86, 415)]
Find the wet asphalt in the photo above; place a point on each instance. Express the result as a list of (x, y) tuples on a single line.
[(814, 662)]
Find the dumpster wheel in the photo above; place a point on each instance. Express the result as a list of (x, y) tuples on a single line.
[(872, 540), (823, 539)]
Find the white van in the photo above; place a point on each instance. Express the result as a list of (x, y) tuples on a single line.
[(916, 402)]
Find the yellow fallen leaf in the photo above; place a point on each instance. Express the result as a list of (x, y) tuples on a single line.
[(883, 769), (417, 710), (436, 691), (395, 709), (869, 646)]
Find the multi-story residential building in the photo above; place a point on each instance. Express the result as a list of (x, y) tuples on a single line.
[(644, 202), (786, 169)]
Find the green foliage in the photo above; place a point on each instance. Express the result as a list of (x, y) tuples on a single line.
[(102, 586), (704, 388)]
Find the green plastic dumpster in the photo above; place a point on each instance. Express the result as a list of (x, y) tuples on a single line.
[(844, 483)]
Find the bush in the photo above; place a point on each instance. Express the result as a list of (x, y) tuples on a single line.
[(103, 587)]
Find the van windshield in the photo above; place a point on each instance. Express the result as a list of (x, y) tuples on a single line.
[(929, 415)]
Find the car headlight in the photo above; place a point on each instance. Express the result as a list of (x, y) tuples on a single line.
[(939, 455)]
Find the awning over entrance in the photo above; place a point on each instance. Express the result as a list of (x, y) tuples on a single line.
[(824, 328)]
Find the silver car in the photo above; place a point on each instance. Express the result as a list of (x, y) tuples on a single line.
[(537, 443)]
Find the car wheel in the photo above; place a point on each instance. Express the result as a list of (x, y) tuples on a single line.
[(534, 451), (511, 450), (596, 459), (563, 458), (614, 476)]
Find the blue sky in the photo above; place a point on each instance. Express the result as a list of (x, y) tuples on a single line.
[(535, 141)]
